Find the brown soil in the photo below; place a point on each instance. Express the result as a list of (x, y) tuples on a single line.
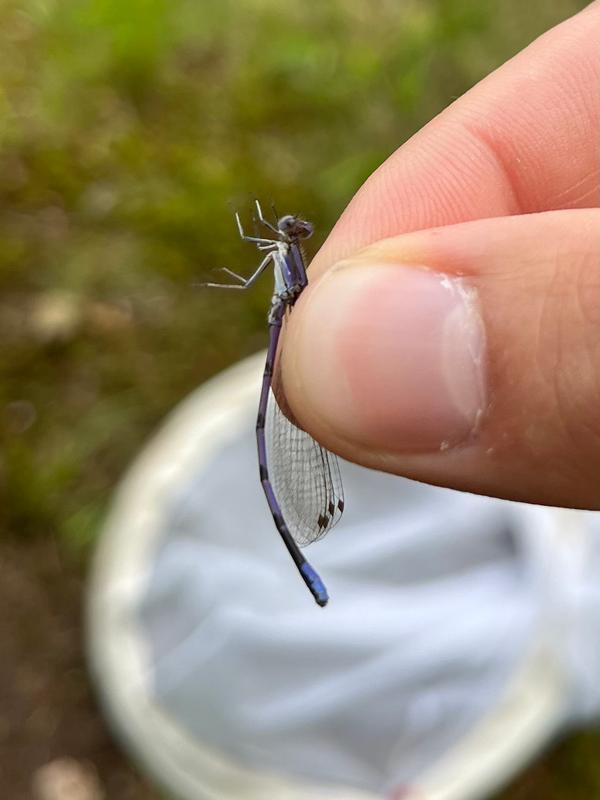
[(48, 715)]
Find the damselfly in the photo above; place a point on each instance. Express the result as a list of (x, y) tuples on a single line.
[(301, 480)]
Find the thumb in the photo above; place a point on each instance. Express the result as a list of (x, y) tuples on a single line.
[(466, 356)]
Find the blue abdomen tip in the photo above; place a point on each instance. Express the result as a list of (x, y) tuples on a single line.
[(315, 584)]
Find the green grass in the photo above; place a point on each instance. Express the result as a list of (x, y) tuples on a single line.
[(126, 130)]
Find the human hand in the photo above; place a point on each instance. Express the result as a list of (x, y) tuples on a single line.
[(465, 350)]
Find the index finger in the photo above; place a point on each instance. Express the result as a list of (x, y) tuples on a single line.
[(525, 139)]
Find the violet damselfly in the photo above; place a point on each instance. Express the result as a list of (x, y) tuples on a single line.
[(301, 480)]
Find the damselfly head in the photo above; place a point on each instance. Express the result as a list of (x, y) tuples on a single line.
[(294, 227)]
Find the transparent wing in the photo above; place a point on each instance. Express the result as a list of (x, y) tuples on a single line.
[(305, 478)]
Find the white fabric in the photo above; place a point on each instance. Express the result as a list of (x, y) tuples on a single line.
[(438, 599)]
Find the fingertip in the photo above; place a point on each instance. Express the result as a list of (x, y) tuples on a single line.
[(388, 357)]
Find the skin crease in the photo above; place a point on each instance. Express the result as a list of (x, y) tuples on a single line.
[(524, 140)]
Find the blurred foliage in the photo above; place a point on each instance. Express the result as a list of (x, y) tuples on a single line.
[(127, 130)]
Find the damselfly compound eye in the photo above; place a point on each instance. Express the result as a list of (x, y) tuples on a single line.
[(295, 228)]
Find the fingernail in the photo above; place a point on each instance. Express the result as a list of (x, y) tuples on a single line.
[(391, 357)]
